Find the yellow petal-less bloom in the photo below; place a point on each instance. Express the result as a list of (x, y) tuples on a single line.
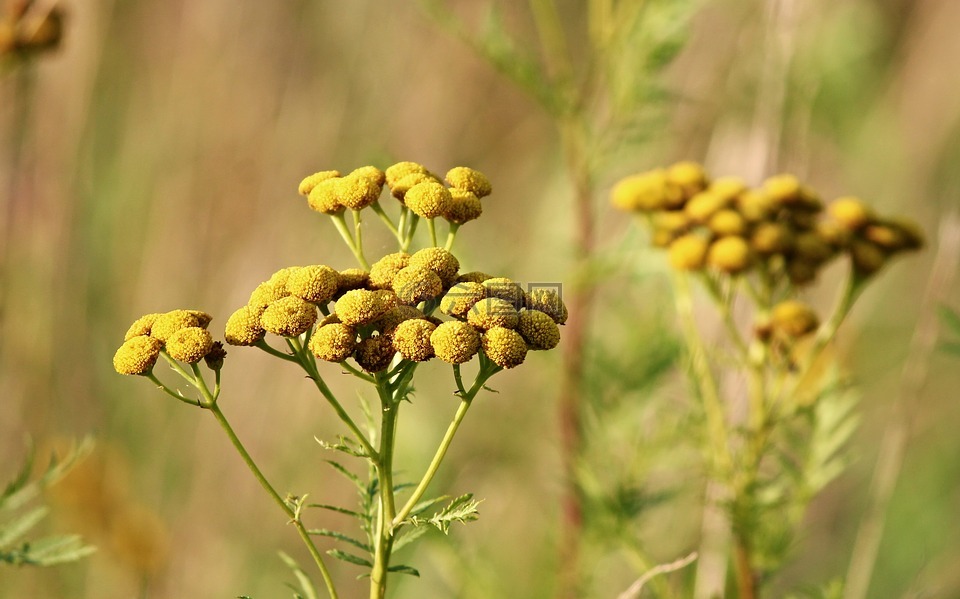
[(461, 297), (428, 199), (730, 254), (538, 329), (467, 179), (727, 188), (311, 181), (755, 206), (506, 289), (388, 323), (370, 172), (325, 197), (415, 284), (493, 312), (505, 347), (189, 345), (384, 269), (137, 355), (202, 317), (141, 326), (794, 318), (688, 252), (243, 327), (549, 302), (357, 192), (167, 324), (288, 317), (266, 293), (771, 238), (689, 176), (400, 188), (727, 222), (474, 276), (333, 342), (455, 342), (360, 306), (352, 278), (641, 193), (412, 339), (374, 354), (850, 212), (400, 170), (438, 260), (783, 189), (316, 284), (705, 204), (463, 208)]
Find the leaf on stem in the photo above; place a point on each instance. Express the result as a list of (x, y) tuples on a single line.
[(349, 557), (306, 585)]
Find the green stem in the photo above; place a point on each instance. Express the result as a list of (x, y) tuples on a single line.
[(387, 508), (341, 225), (432, 227), (172, 393), (357, 372), (291, 514), (358, 231), (412, 221), (378, 209), (263, 345), (451, 236)]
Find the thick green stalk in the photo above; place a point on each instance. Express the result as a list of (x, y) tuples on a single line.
[(387, 508)]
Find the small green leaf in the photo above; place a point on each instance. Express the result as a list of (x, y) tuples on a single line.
[(323, 532), (462, 509), (349, 475), (409, 536), (58, 550), (348, 557), (427, 504), (404, 570), (341, 510), (19, 526), (306, 585)]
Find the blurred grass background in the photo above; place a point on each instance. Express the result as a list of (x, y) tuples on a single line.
[(161, 149)]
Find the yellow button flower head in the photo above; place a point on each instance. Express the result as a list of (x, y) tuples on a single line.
[(357, 192), (400, 188), (370, 172), (730, 254), (137, 355), (705, 204), (689, 176), (460, 298), (727, 222), (279, 279), (463, 208), (316, 284), (384, 269), (267, 293), (351, 278), (428, 199), (415, 284), (455, 342), (214, 358), (505, 347), (641, 193), (549, 302), (755, 206), (202, 317), (493, 312), (538, 329), (374, 354), (311, 181), (688, 252), (243, 327), (388, 323), (467, 179), (727, 188), (794, 318), (324, 197), (333, 342), (834, 233), (505, 289), (674, 221), (850, 212), (141, 326), (412, 339), (401, 169), (360, 306), (894, 235), (189, 345), (474, 276), (288, 317), (438, 260), (167, 324), (771, 238), (783, 189)]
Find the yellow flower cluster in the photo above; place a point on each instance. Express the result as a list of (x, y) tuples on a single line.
[(181, 333), (415, 187), (782, 227), (372, 317)]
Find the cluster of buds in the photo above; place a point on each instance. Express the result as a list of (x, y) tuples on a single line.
[(415, 187), (27, 28), (782, 229), (373, 316), (181, 334)]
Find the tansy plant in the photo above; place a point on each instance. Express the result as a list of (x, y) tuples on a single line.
[(774, 429), (377, 323)]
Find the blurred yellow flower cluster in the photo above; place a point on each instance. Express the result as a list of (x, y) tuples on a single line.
[(782, 230), (182, 334)]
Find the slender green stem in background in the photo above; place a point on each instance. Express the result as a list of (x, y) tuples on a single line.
[(451, 236), (358, 231), (294, 517), (432, 227), (412, 221), (356, 372), (341, 224), (172, 393), (387, 508), (263, 345), (378, 209)]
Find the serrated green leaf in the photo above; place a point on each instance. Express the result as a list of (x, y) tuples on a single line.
[(349, 557), (323, 532), (306, 585), (21, 478), (463, 509), (404, 570), (409, 536), (427, 504), (338, 509), (349, 475), (20, 525), (59, 549)]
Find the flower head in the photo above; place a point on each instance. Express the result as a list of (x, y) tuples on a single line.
[(455, 342), (438, 260), (505, 289), (464, 207), (428, 199), (415, 284), (470, 180), (266, 293), (311, 181), (351, 278), (189, 345), (137, 355), (688, 252), (360, 306), (730, 254), (401, 169), (388, 323), (374, 354), (316, 284), (243, 326), (357, 191), (288, 317), (141, 326), (460, 298), (505, 347), (167, 324), (538, 329), (384, 269), (325, 197), (549, 302), (333, 342), (370, 172), (794, 318), (412, 339), (473, 276), (850, 212), (214, 358), (493, 312)]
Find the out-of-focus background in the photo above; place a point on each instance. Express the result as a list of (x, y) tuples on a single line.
[(151, 163)]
